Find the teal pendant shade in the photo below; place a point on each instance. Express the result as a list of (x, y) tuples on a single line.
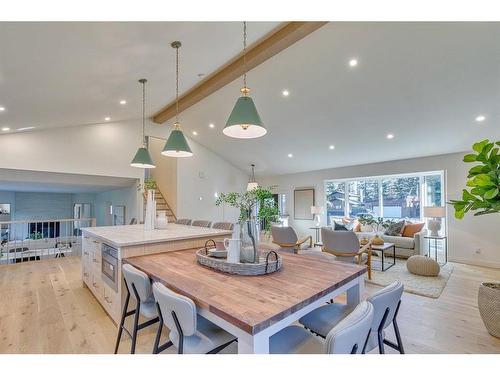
[(142, 159), (177, 145), (244, 120)]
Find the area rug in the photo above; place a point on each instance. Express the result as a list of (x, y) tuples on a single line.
[(422, 285)]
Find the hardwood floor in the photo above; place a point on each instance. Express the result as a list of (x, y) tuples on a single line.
[(45, 309)]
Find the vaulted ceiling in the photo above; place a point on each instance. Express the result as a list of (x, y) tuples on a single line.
[(425, 83)]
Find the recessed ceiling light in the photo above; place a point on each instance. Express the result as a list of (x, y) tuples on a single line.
[(26, 128), (290, 155), (285, 93), (123, 102), (195, 132), (211, 125), (5, 129), (480, 118), (331, 147), (353, 63), (390, 136), (2, 109), (107, 118)]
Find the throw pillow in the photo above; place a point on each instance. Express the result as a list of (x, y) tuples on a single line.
[(395, 229), (339, 226), (411, 229)]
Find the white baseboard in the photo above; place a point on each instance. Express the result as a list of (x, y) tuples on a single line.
[(476, 262)]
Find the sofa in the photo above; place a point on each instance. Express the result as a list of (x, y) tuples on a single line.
[(405, 246)]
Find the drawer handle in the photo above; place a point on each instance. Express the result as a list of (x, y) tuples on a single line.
[(94, 260), (95, 285), (85, 274), (86, 237), (85, 253), (107, 300), (94, 241)]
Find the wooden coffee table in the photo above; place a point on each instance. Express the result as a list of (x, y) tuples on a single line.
[(383, 248)]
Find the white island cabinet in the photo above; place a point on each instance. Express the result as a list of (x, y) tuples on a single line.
[(103, 249)]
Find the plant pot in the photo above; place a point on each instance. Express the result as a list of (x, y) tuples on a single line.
[(488, 301)]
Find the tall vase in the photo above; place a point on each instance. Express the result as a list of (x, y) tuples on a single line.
[(150, 216), (249, 235)]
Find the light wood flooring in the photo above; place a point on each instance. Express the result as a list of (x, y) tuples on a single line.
[(45, 309)]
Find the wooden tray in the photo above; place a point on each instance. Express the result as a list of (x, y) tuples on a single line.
[(269, 262)]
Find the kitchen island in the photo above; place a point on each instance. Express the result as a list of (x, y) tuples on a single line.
[(104, 248)]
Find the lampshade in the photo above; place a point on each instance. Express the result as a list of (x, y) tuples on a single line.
[(317, 210), (252, 185), (244, 120), (142, 159), (434, 211), (177, 145)]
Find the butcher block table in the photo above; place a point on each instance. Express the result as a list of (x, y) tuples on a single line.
[(253, 308)]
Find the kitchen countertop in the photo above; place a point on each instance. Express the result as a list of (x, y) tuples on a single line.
[(130, 235)]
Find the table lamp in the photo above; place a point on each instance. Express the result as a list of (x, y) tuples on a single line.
[(435, 214), (317, 210)]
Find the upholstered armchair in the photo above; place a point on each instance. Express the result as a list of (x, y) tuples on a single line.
[(345, 246), (285, 237)]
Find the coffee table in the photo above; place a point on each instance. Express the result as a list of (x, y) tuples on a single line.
[(383, 248)]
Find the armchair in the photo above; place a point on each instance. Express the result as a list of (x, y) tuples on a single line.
[(285, 237), (345, 246)]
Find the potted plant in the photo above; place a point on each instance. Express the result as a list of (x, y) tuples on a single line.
[(483, 198), (250, 221), (378, 224)]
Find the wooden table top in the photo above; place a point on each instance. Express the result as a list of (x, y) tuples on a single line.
[(252, 303)]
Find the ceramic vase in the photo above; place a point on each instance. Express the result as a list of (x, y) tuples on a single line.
[(249, 236), (150, 216), (161, 220)]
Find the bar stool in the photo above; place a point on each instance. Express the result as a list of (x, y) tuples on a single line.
[(140, 284), (189, 332), (386, 304), (350, 336)]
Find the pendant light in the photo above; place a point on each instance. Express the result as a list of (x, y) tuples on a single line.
[(252, 183), (244, 120), (142, 159), (177, 145)]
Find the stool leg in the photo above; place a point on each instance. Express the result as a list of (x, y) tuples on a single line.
[(122, 322), (136, 319)]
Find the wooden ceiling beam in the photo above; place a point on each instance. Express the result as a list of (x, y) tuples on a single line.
[(269, 46)]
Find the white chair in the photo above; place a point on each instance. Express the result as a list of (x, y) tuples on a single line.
[(190, 333), (348, 337), (386, 304), (223, 225), (286, 238), (183, 221), (139, 283), (201, 223)]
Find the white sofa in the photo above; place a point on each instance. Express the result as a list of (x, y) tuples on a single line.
[(405, 246)]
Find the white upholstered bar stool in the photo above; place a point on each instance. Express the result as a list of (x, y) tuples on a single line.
[(183, 221), (223, 225), (386, 304), (140, 285), (348, 337), (190, 333), (201, 223)]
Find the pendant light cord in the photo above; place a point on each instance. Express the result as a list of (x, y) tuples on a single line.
[(177, 85), (244, 54), (144, 112)]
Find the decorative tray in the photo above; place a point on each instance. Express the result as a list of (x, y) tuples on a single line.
[(269, 262)]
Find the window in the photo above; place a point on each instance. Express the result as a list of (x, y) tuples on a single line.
[(364, 198), (401, 197), (395, 196), (335, 200)]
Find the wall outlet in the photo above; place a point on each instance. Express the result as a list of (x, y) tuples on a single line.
[(478, 251)]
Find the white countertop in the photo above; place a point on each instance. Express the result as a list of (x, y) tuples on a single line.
[(130, 235)]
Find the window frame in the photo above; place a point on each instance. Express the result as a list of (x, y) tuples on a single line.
[(379, 179)]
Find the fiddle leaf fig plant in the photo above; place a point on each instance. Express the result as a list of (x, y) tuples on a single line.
[(483, 181)]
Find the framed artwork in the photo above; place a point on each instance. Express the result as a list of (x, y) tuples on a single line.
[(303, 199)]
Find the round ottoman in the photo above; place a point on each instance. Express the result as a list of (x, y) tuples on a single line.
[(422, 265)]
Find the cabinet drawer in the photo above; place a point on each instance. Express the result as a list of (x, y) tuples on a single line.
[(86, 276), (97, 285), (110, 298)]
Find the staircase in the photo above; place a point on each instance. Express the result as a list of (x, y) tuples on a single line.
[(161, 205)]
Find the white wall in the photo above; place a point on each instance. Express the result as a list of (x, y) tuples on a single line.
[(201, 176), (465, 236), (128, 197), (103, 149)]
